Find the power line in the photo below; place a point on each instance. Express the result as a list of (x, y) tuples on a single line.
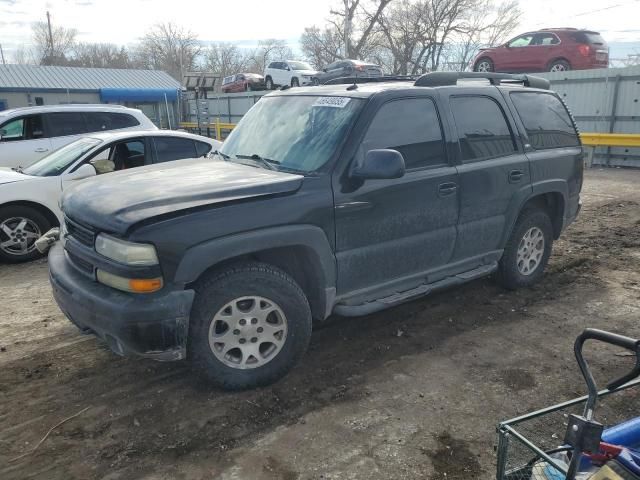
[(604, 9)]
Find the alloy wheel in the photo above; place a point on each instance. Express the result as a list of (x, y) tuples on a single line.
[(18, 236), (248, 332), (530, 251)]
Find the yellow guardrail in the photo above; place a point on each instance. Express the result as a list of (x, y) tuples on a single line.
[(216, 126), (610, 139), (594, 140)]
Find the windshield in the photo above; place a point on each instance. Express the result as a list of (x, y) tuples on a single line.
[(296, 133), (300, 66), (57, 162)]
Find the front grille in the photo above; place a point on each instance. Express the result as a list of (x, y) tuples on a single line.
[(80, 264), (81, 233)]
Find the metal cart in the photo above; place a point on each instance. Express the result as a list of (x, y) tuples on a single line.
[(531, 447)]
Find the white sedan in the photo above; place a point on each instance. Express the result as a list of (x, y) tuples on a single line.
[(29, 196)]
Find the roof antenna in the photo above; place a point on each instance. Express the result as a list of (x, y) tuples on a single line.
[(354, 86)]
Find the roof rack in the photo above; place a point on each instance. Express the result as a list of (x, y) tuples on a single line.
[(439, 79), (384, 78)]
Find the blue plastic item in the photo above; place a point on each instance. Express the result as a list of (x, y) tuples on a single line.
[(626, 434)]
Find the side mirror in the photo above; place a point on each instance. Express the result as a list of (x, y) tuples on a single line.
[(380, 164), (85, 171)]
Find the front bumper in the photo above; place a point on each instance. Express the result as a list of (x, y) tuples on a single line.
[(149, 325)]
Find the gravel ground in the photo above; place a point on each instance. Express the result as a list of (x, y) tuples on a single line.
[(413, 392)]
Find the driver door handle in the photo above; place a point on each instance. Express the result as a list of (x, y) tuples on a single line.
[(41, 150), (446, 189), (515, 176)]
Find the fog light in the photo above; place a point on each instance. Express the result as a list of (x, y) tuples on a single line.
[(133, 285)]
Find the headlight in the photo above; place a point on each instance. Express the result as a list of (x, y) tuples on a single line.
[(129, 253)]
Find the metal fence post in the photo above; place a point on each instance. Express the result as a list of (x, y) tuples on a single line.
[(614, 109), (503, 445)]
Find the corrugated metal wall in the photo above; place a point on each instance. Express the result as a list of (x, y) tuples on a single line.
[(604, 101)]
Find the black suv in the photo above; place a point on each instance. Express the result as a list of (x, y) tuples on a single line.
[(346, 199)]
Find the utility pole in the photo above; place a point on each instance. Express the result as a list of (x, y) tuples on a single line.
[(2, 55), (50, 34)]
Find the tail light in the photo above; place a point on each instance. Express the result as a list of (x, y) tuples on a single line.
[(585, 50)]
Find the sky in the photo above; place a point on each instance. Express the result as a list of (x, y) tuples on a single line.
[(124, 21)]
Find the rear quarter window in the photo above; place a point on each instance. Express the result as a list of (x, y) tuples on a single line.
[(546, 120)]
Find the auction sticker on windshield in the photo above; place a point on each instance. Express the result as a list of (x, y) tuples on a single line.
[(335, 102)]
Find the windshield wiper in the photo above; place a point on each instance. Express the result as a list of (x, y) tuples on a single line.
[(18, 169), (223, 155), (266, 162)]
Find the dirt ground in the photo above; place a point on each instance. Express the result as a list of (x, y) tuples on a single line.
[(413, 392)]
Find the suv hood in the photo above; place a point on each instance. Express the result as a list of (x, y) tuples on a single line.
[(307, 72), (9, 176), (116, 201)]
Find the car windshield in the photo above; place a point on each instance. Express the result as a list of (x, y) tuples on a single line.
[(293, 133), (300, 66), (57, 162)]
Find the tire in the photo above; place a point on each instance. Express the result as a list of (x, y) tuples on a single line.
[(232, 363), (316, 82), (484, 64), (523, 265), (247, 87), (295, 82), (268, 83), (559, 66), (20, 227)]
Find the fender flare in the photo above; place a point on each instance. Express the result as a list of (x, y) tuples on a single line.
[(203, 256), (538, 188)]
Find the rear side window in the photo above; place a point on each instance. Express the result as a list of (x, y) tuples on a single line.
[(122, 120), (174, 148), (483, 131), (410, 126), (62, 124), (589, 37), (545, 119), (202, 148)]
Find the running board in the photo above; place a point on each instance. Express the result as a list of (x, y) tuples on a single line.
[(419, 291)]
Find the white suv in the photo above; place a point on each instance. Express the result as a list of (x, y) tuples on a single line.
[(28, 134), (290, 73)]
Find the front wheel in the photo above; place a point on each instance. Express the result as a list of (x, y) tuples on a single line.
[(250, 325), (528, 250), (20, 227), (484, 65), (269, 83), (295, 82)]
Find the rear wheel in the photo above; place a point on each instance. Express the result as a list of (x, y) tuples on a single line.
[(20, 227), (250, 325), (316, 82), (269, 83), (559, 66), (484, 65), (528, 250), (295, 82)]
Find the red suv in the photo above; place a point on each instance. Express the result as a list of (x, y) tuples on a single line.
[(549, 50), (242, 82)]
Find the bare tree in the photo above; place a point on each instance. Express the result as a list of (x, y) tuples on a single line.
[(321, 47), (268, 51), (23, 56), (226, 59), (350, 33), (100, 55), (169, 47), (54, 49)]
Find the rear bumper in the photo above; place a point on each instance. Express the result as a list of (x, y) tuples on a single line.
[(153, 326)]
